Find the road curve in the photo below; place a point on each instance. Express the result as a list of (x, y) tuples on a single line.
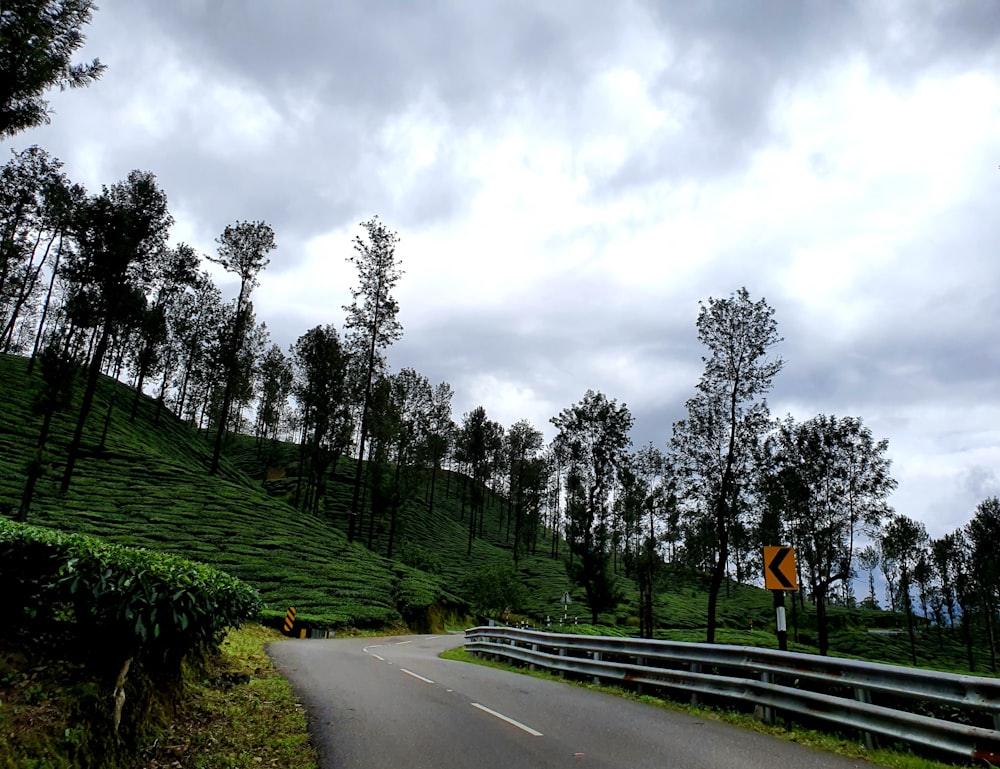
[(391, 703)]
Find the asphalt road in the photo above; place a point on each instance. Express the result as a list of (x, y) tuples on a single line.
[(391, 702)]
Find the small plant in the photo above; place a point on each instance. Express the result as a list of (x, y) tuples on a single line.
[(35, 694)]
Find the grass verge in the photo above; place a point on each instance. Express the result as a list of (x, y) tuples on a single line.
[(827, 742), (238, 713)]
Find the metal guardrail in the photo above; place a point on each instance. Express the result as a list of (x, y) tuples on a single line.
[(866, 696)]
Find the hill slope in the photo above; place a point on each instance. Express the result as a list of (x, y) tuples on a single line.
[(150, 488)]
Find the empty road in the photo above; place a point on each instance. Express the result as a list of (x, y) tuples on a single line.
[(391, 703)]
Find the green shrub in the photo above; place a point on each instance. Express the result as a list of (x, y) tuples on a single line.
[(115, 602), (493, 589)]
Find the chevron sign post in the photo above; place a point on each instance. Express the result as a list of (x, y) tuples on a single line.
[(779, 576), (289, 620)]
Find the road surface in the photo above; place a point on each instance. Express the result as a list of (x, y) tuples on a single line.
[(391, 703)]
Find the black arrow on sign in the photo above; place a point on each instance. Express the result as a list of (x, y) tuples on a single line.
[(775, 564)]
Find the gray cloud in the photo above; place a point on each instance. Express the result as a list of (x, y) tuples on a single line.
[(313, 116)]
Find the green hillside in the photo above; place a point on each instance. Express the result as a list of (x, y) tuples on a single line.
[(150, 487)]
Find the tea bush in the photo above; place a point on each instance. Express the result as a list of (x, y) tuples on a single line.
[(113, 601)]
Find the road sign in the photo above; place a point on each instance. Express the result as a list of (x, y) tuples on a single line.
[(566, 599), (779, 568), (289, 619)]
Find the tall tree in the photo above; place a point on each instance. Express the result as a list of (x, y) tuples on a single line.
[(655, 501), (36, 202), (868, 559), (243, 249), (523, 442), (412, 398), (37, 42), (190, 324), (903, 540), (117, 233), (983, 532), (321, 392), (726, 418), (960, 549), (440, 434), (276, 379), (173, 270), (371, 324), (473, 448), (836, 483), (945, 555), (594, 434)]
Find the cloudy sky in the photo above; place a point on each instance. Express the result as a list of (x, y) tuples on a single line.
[(570, 179)]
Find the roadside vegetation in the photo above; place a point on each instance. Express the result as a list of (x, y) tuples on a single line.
[(149, 488), (231, 710), (141, 407)]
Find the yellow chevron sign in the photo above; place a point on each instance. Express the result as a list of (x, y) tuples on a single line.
[(289, 619), (779, 568)]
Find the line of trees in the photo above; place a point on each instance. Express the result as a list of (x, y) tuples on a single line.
[(89, 285)]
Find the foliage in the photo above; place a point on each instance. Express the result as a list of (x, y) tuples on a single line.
[(243, 250), (830, 481), (37, 42), (238, 712), (321, 392), (593, 435), (371, 324), (120, 602), (714, 446), (495, 589), (234, 709), (117, 234)]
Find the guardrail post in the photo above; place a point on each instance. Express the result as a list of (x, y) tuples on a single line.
[(764, 713), (695, 668), (863, 695), (531, 665), (562, 653), (640, 662), (597, 658)]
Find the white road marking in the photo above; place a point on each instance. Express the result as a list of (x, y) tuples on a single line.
[(382, 659), (400, 643), (417, 675), (509, 720), (374, 646)]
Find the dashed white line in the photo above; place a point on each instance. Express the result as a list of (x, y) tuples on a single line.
[(400, 643), (509, 720), (381, 659), (417, 675)]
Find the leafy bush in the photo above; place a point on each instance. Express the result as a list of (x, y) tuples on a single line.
[(420, 558), (115, 602), (493, 589)]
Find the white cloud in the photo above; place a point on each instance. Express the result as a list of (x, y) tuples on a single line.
[(568, 186)]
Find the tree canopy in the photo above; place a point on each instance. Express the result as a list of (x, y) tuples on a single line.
[(37, 41)]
